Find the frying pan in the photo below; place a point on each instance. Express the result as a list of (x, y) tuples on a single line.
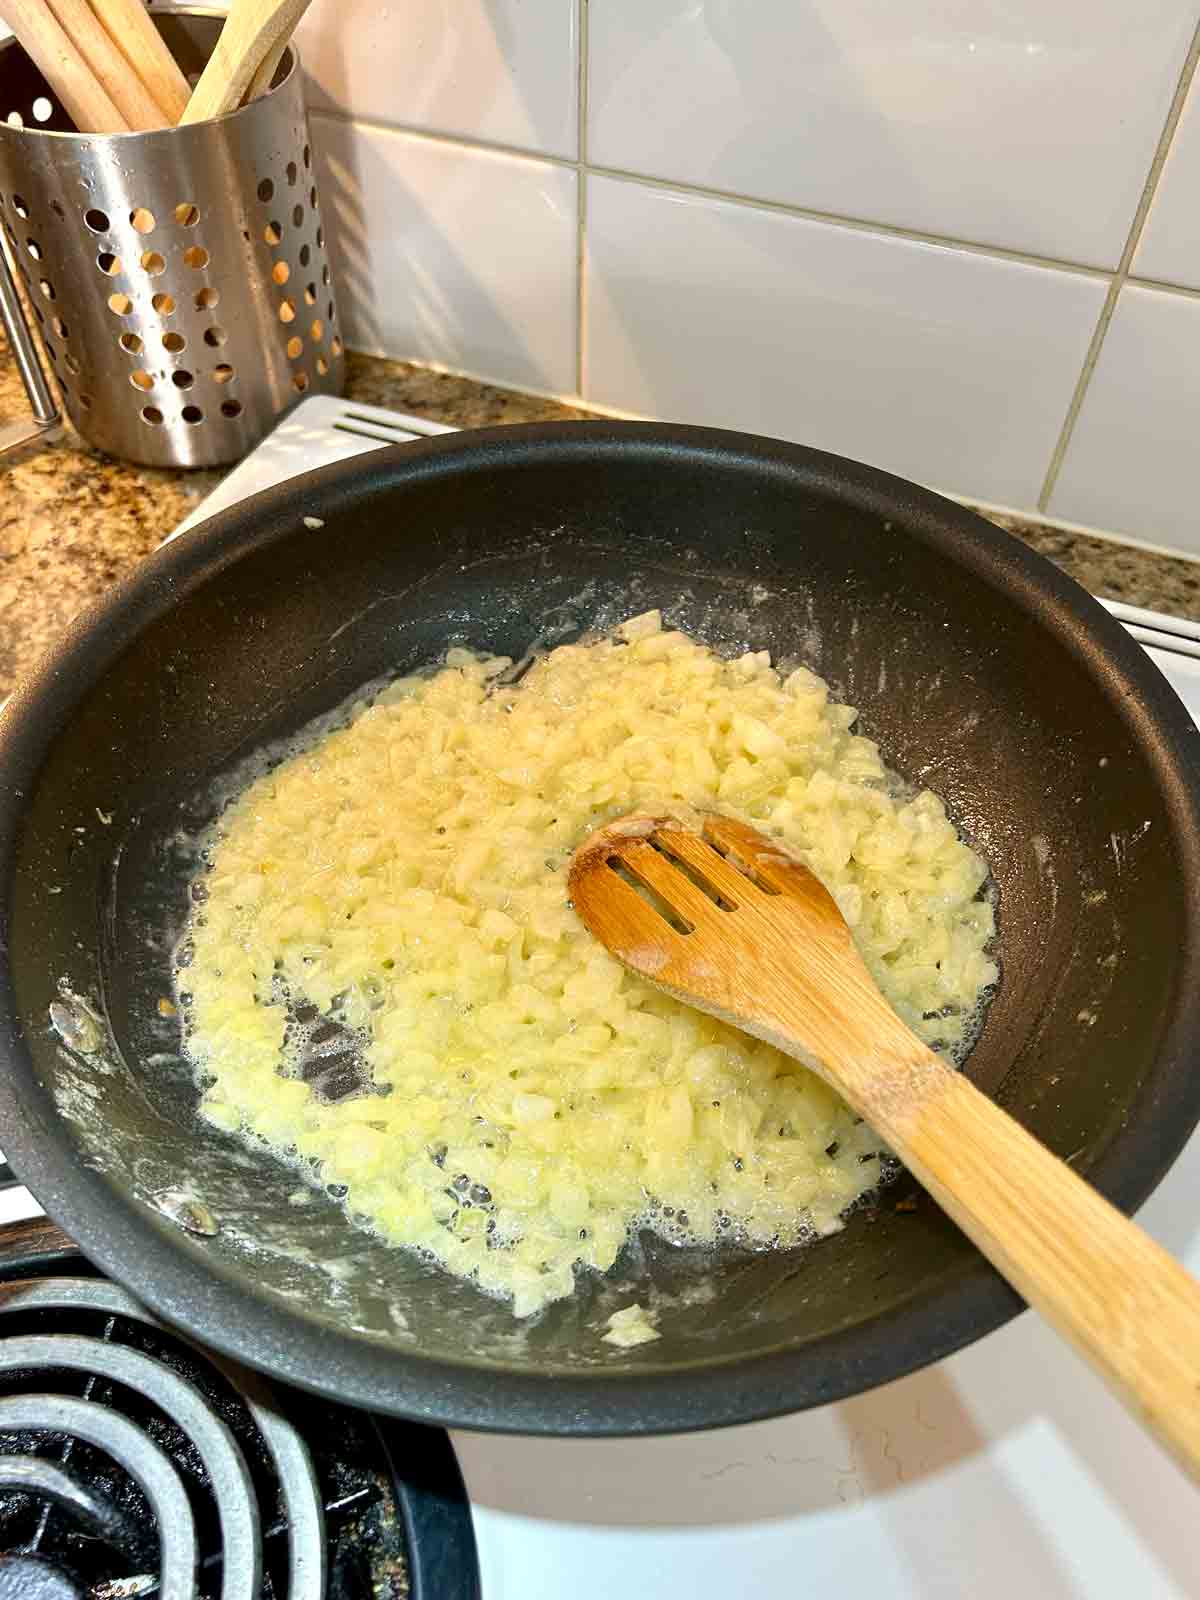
[(982, 672)]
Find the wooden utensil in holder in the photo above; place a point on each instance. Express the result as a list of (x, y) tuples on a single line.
[(108, 66), (43, 39), (129, 25), (252, 42), (107, 63)]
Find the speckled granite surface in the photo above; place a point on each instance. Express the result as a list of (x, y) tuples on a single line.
[(72, 521)]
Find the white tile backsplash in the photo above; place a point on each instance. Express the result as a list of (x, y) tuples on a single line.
[(505, 71), (952, 368), (1132, 464), (460, 256), (1170, 246), (884, 226), (1023, 124)]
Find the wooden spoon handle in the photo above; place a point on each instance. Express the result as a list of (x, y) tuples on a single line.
[(64, 69), (1126, 1305), (130, 27), (252, 30), (109, 67), (265, 75)]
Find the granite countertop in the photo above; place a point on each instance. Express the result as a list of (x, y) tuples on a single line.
[(72, 521)]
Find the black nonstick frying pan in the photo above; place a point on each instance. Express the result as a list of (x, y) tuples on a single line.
[(981, 671)]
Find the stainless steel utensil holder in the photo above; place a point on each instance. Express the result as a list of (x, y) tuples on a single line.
[(179, 279)]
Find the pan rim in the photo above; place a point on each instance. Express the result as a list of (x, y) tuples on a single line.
[(214, 1305)]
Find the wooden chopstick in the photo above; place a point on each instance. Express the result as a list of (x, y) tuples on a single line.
[(110, 68), (40, 36), (131, 28)]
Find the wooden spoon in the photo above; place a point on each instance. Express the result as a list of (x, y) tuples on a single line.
[(762, 945), (265, 76), (251, 33)]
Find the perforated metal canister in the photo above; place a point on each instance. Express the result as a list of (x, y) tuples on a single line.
[(180, 279)]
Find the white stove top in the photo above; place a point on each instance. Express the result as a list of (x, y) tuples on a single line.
[(1006, 1468)]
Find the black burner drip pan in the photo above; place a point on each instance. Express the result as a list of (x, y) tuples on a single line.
[(133, 1462)]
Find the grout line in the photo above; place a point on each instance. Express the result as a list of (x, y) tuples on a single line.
[(1121, 276), (837, 219), (460, 141), (755, 203), (1163, 286), (833, 219), (582, 199)]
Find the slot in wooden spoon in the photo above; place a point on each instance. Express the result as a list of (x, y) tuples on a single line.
[(752, 937)]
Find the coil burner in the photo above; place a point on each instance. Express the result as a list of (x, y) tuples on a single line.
[(133, 1462)]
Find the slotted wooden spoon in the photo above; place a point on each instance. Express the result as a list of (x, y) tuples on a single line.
[(254, 31), (755, 939)]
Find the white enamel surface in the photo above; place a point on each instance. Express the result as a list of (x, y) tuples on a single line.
[(1020, 124), (1005, 1470), (950, 367), (1169, 249), (1131, 464), (501, 70), (442, 253)]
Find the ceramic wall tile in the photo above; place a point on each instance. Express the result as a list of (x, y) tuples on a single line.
[(1024, 125), (459, 256), (505, 71), (950, 367), (1131, 463)]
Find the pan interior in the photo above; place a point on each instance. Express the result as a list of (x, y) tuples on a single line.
[(271, 621)]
